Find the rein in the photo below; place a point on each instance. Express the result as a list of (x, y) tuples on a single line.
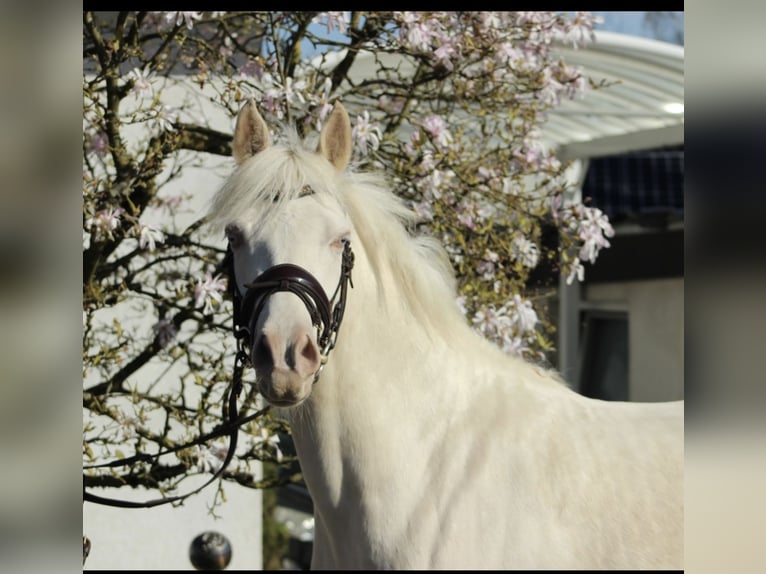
[(325, 316), (230, 427)]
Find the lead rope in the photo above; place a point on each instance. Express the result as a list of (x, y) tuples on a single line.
[(230, 413), (231, 426)]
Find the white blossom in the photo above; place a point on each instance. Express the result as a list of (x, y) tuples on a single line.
[(366, 134), (142, 82), (333, 20), (523, 315), (524, 251), (186, 18), (270, 441), (210, 457), (148, 237), (105, 221), (209, 292), (577, 271)]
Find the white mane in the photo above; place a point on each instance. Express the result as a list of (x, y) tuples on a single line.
[(419, 265)]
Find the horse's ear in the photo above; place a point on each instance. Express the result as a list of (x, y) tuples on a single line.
[(251, 134), (335, 139)]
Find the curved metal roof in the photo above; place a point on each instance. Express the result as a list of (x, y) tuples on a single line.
[(641, 109)]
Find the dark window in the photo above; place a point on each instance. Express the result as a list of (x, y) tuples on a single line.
[(604, 356)]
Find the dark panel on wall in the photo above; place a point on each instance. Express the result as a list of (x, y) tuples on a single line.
[(639, 256)]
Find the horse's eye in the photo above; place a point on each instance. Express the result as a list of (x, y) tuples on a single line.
[(234, 234), (341, 241)]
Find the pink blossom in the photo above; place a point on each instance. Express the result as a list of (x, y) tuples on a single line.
[(559, 208), (593, 229), (293, 91), (227, 49), (412, 147), (434, 182), (165, 118), (271, 103), (580, 29), (576, 270), (428, 161), (485, 320), (341, 20), (467, 218), (210, 457), (142, 84), (366, 134), (523, 315), (324, 106), (513, 345), (209, 292), (437, 129), (524, 251), (186, 18), (269, 440), (507, 54), (531, 154), (148, 237), (445, 53), (486, 269), (253, 68), (424, 210), (413, 31), (99, 142), (489, 21), (104, 222)]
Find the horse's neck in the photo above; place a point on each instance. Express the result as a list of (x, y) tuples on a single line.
[(388, 388)]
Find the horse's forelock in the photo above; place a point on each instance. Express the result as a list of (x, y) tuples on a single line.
[(269, 179), (419, 265)]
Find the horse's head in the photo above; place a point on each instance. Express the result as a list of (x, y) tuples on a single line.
[(290, 251)]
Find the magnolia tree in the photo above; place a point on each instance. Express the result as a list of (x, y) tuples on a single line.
[(448, 104)]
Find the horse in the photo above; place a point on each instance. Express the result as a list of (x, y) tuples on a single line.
[(422, 444)]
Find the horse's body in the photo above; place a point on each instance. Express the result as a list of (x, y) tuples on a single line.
[(423, 445)]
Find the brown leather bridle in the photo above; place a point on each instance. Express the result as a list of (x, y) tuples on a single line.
[(325, 316)]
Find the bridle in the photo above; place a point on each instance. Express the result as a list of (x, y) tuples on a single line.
[(326, 316), (326, 313)]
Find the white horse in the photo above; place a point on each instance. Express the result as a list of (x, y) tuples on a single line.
[(422, 444)]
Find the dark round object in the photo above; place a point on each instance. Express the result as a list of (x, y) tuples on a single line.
[(210, 551)]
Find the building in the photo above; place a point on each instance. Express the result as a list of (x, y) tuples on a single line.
[(621, 330)]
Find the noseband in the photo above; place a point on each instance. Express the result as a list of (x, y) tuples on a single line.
[(326, 317)]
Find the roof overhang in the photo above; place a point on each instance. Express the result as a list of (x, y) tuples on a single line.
[(642, 107)]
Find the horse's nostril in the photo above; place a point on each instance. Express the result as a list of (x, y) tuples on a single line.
[(262, 356)]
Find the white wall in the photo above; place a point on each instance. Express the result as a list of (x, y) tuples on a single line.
[(655, 333), (159, 538)]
